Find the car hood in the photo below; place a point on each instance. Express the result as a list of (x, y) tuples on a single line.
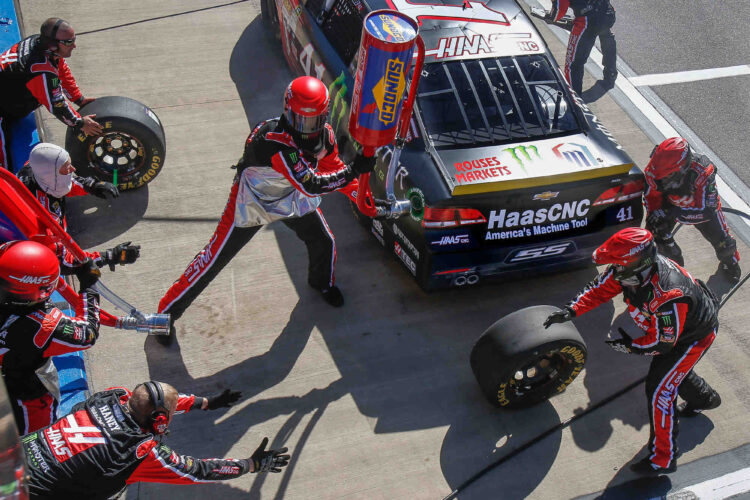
[(528, 164)]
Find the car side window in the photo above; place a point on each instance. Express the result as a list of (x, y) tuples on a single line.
[(341, 22)]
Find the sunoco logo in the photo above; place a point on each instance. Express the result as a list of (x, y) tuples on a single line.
[(389, 91), (392, 28)]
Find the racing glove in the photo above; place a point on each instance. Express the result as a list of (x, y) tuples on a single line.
[(99, 188), (268, 460), (566, 314), (122, 254), (223, 400), (363, 164), (623, 344), (87, 273), (658, 222)]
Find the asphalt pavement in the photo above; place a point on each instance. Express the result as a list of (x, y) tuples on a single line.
[(375, 400)]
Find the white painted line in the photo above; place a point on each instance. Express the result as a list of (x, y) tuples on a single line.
[(718, 488), (689, 76), (667, 130)]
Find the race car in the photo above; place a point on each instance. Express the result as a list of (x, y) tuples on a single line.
[(508, 172)]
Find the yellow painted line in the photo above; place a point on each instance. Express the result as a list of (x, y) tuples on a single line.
[(489, 187)]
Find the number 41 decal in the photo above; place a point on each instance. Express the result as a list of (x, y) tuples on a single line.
[(625, 214)]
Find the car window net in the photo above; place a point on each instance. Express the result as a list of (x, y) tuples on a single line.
[(493, 101), (341, 23)]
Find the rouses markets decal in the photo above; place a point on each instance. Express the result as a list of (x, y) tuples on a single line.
[(502, 224)]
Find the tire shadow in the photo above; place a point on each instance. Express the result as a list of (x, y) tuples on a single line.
[(110, 217)]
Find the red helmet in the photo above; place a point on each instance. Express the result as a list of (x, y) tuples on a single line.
[(671, 157), (28, 271), (306, 106), (632, 251)]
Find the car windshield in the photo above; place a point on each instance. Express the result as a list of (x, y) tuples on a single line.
[(493, 101)]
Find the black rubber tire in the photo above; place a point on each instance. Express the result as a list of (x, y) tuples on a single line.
[(518, 342), (133, 137)]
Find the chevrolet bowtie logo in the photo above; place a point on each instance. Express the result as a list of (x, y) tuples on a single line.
[(547, 195)]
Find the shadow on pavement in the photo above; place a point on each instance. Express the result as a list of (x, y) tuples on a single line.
[(111, 218), (628, 485)]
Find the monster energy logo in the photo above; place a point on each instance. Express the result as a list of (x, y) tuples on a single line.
[(338, 108), (28, 437), (293, 157), (666, 320), (523, 154)]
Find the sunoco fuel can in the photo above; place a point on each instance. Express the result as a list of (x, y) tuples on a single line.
[(385, 55)]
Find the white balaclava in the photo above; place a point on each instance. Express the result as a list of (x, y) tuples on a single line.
[(45, 160)]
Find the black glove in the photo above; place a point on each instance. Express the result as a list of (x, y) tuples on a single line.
[(99, 188), (122, 254), (566, 314), (658, 222), (363, 164), (223, 400), (269, 460), (621, 345), (87, 273)]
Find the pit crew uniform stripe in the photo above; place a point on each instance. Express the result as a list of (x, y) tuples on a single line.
[(664, 427), (224, 244)]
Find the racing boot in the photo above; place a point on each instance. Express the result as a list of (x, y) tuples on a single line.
[(730, 270), (333, 296), (688, 410), (646, 467)]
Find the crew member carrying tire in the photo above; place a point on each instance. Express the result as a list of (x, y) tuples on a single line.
[(49, 175), (33, 73), (679, 317), (287, 163), (681, 187)]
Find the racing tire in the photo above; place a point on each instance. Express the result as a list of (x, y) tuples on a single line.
[(518, 363), (269, 15), (133, 141)]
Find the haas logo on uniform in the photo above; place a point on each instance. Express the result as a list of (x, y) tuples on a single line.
[(32, 280)]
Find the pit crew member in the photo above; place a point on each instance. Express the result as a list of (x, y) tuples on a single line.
[(34, 330), (593, 18), (50, 177), (678, 315), (120, 433), (681, 187), (33, 73), (287, 163)]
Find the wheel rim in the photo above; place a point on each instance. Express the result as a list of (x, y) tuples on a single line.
[(116, 150), (537, 375)]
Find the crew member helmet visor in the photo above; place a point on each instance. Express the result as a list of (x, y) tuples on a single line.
[(28, 271), (306, 105), (632, 252), (669, 159)]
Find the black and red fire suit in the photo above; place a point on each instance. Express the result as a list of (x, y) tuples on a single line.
[(679, 316), (697, 203), (57, 207), (275, 180), (30, 78), (593, 18), (97, 449), (30, 336)]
